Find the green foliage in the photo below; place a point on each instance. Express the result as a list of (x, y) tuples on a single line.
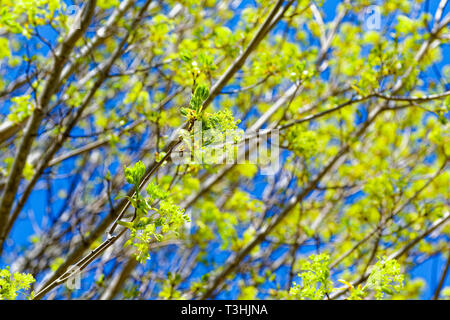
[(4, 49), (131, 293), (385, 278), (222, 121), (446, 293), (364, 143), (300, 73), (315, 275), (12, 284), (200, 94), (21, 109), (248, 293), (134, 174), (215, 128), (168, 291), (31, 13), (151, 222), (302, 142)]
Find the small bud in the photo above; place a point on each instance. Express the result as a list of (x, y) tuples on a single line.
[(202, 92), (186, 56), (183, 111)]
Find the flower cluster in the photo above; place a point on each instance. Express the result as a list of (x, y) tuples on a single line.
[(156, 216)]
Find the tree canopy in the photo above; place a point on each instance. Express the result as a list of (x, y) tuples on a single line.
[(99, 96)]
